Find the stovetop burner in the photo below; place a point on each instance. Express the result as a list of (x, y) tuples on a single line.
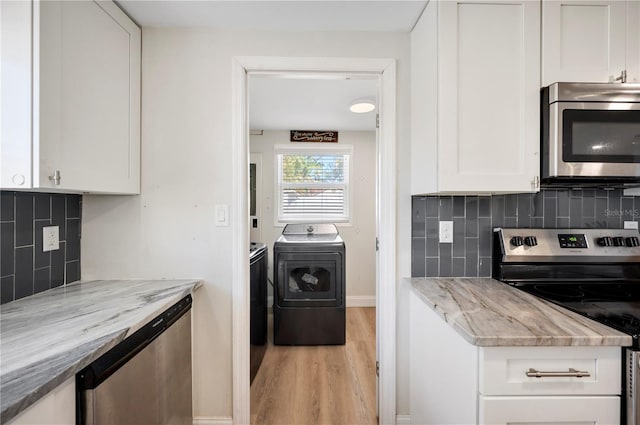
[(614, 304)]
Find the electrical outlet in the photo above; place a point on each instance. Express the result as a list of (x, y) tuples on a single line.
[(446, 232), (50, 238)]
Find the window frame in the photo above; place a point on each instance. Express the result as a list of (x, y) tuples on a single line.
[(312, 149)]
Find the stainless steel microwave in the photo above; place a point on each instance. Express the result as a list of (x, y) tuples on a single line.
[(590, 135)]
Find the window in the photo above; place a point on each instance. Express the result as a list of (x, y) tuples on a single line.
[(313, 183)]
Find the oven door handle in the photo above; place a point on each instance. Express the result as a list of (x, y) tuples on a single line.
[(571, 373)]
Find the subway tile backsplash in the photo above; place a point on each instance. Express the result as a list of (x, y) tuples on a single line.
[(24, 268), (474, 217)]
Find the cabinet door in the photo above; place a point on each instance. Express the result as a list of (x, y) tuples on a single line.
[(15, 94), (87, 97), (488, 97), (633, 41), (583, 40), (549, 410)]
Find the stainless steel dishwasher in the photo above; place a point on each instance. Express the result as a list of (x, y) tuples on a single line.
[(146, 379)]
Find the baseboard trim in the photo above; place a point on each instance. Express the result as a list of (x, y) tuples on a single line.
[(361, 301), (403, 420), (212, 420)]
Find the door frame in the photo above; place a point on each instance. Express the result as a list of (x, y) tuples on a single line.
[(385, 218)]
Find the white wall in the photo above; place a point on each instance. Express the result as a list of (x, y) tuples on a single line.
[(168, 230), (360, 235)]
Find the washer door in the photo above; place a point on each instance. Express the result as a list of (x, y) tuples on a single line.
[(309, 279)]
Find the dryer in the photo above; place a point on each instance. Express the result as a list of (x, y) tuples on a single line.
[(309, 286)]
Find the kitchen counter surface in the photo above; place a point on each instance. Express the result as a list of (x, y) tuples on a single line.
[(486, 312), (47, 338)]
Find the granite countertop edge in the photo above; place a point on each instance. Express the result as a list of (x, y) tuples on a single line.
[(24, 384), (464, 303)]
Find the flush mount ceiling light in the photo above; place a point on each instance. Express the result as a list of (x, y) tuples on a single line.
[(361, 106)]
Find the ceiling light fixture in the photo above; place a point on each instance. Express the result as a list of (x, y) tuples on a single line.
[(361, 106)]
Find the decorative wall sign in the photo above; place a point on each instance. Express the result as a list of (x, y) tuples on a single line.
[(314, 136)]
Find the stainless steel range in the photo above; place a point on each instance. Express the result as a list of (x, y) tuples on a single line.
[(593, 272)]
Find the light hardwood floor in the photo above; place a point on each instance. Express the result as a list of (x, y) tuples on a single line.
[(312, 385)]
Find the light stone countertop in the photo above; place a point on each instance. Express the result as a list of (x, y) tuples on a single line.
[(489, 313), (47, 338)]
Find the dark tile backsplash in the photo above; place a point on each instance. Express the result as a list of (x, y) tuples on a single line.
[(474, 217), (24, 269)]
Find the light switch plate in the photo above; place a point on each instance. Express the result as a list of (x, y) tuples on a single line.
[(221, 215), (50, 238)]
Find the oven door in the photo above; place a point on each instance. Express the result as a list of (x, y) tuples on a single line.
[(632, 387), (593, 140)]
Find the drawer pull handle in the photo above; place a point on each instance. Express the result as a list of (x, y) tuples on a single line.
[(572, 373)]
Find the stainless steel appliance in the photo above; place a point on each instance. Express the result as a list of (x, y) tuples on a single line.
[(593, 272), (258, 257), (146, 379), (590, 135), (309, 286)]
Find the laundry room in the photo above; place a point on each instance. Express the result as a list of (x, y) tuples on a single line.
[(312, 192)]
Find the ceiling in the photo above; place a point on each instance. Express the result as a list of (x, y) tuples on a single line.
[(291, 103), (268, 15), (277, 103)]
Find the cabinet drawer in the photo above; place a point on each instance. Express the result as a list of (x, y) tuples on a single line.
[(503, 370), (550, 410)]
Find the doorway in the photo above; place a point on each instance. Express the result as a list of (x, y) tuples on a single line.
[(385, 219)]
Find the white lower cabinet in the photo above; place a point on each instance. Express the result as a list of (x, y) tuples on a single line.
[(56, 408), (598, 410), (455, 382)]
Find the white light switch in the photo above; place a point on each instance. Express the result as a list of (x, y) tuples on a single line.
[(50, 238), (446, 232), (222, 215)]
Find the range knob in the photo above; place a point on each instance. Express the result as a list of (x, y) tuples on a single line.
[(605, 241), (618, 241), (530, 241), (517, 241), (633, 241)]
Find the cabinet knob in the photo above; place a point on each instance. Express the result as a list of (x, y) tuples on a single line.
[(18, 179), (55, 177)]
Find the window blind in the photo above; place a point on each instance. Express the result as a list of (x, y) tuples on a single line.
[(313, 186)]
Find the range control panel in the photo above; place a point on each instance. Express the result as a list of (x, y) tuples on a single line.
[(581, 245), (572, 240)]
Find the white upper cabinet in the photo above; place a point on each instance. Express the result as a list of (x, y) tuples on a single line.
[(475, 77), (70, 97), (590, 40)]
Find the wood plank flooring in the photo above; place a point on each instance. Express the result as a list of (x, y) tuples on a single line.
[(313, 385)]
